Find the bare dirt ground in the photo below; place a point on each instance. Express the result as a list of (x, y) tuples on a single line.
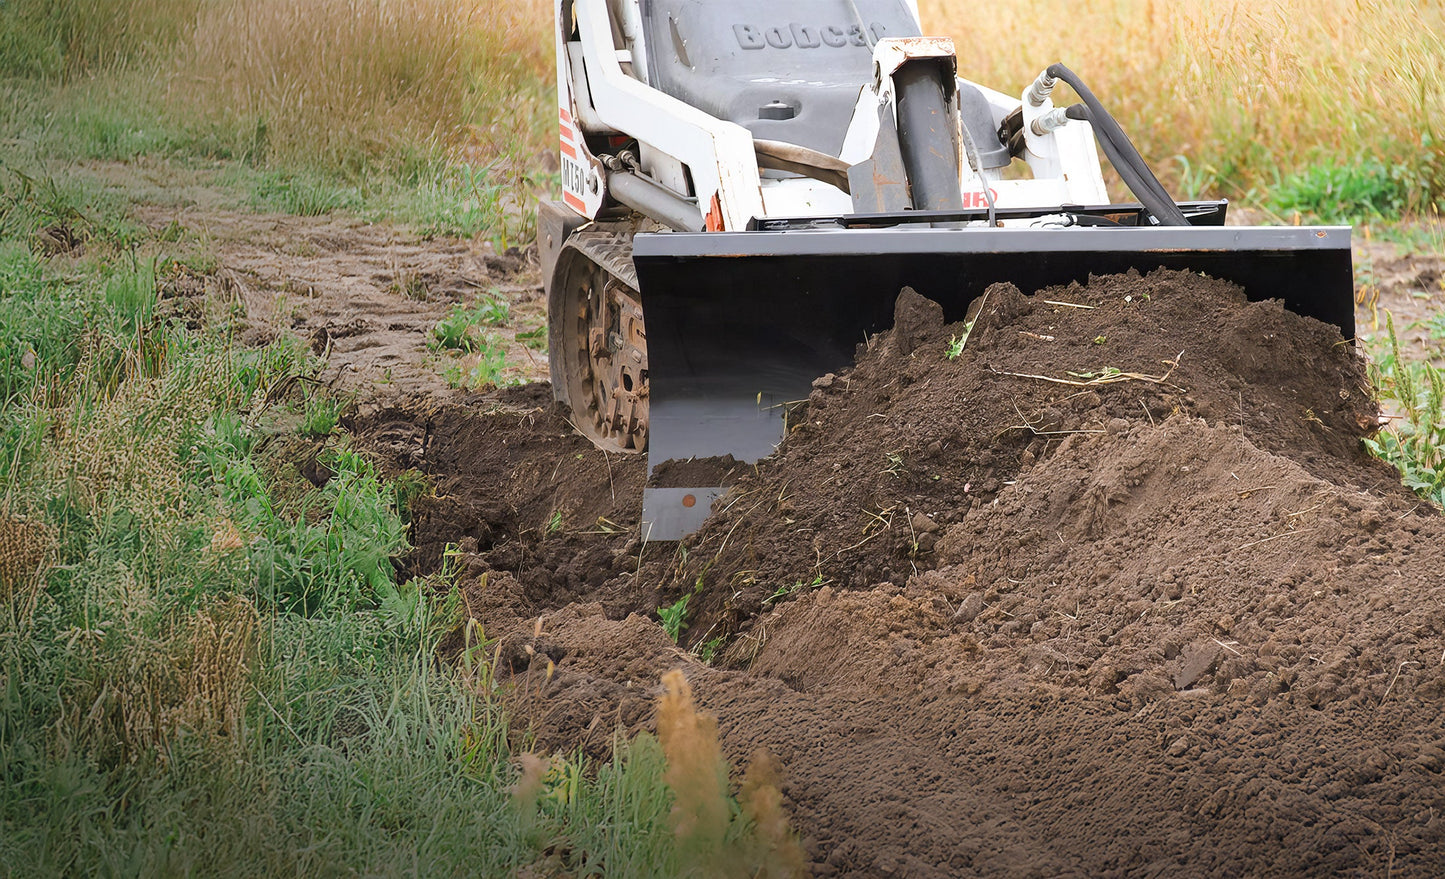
[(1174, 624)]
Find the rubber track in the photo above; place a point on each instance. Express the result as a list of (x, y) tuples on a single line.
[(610, 250)]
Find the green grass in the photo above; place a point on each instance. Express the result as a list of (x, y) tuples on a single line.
[(1355, 192), (207, 662), (461, 329), (305, 194), (466, 201)]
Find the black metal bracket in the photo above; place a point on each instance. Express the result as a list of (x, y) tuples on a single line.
[(1126, 214)]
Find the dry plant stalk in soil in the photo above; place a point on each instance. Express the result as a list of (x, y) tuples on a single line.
[(697, 774)]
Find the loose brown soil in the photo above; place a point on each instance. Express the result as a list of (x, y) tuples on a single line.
[(1114, 592), (1162, 621)]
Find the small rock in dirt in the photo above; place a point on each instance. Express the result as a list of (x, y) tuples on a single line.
[(1196, 661), (1178, 746), (970, 609), (924, 525), (825, 381)]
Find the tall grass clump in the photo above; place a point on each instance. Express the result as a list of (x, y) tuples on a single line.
[(664, 805), (356, 84), (1232, 97), (208, 662), (66, 39), (334, 102)]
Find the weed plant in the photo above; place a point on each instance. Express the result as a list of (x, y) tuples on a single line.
[(674, 617), (1414, 441), (461, 329), (489, 370)]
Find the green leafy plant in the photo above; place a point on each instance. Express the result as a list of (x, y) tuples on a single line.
[(332, 551), (674, 617), (487, 372), (460, 329), (797, 587), (1346, 192), (320, 414), (534, 339), (709, 650), (490, 366), (956, 343)]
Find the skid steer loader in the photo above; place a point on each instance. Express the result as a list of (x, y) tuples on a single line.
[(746, 186)]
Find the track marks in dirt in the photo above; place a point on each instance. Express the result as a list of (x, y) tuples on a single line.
[(365, 296)]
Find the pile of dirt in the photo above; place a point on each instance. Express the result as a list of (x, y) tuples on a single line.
[(1164, 649), (888, 455), (1112, 592)]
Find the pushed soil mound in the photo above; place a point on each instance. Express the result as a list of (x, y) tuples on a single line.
[(927, 427), (1163, 649), (1111, 592)]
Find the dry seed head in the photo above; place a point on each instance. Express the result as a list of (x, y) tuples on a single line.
[(779, 853), (226, 538), (25, 547), (194, 679), (696, 771), (531, 776)]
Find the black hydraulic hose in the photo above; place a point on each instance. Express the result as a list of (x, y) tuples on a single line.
[(1121, 152), (1138, 181)]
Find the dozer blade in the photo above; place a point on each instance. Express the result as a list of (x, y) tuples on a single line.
[(740, 323)]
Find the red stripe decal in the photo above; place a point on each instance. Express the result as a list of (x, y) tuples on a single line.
[(567, 133), (564, 115), (713, 222), (574, 202), (568, 151)]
